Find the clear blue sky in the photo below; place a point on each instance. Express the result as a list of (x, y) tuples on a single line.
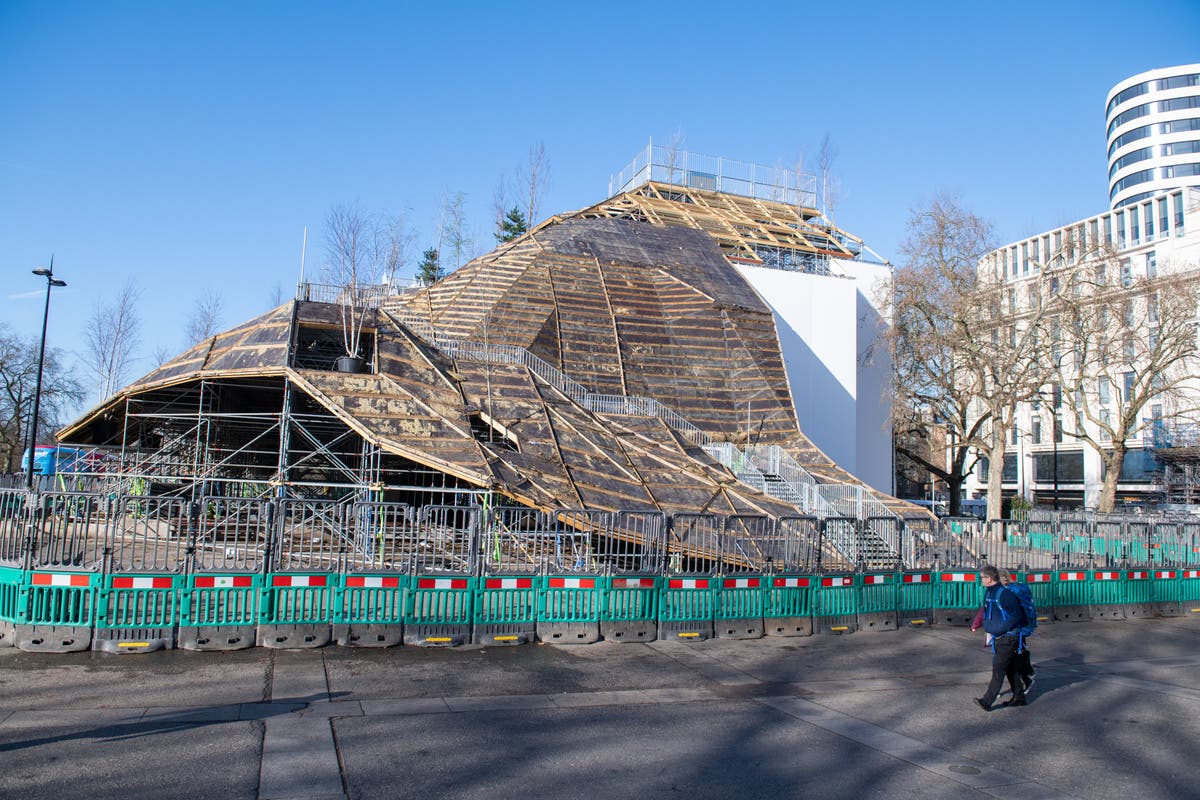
[(188, 144)]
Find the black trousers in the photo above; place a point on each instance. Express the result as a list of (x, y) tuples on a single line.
[(1004, 665)]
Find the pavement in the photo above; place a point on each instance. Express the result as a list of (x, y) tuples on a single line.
[(1115, 713)]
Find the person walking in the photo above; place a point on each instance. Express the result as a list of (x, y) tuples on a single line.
[(1024, 663), (1003, 619)]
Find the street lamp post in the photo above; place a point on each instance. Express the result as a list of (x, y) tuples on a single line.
[(1054, 440), (51, 282)]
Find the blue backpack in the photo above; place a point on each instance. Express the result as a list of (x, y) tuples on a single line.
[(1026, 597)]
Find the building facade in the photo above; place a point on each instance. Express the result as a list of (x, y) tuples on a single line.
[(1153, 125), (1045, 462)]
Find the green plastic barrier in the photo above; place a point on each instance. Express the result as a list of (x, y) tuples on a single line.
[(296, 609), (1189, 591), (569, 608), (738, 613), (1139, 593), (959, 597), (878, 601), (1107, 593), (629, 610), (916, 598), (11, 580), (137, 613), (1041, 588), (220, 611), (686, 608), (836, 609), (1072, 596), (505, 610), (439, 610), (790, 604), (369, 609), (61, 599), (1164, 590), (56, 611)]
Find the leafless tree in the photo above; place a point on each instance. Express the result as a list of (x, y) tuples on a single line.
[(532, 178), (363, 254), (826, 155), (672, 151), (18, 379), (205, 319), (454, 240), (111, 335), (957, 364), (1119, 347)]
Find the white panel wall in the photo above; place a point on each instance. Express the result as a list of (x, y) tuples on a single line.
[(829, 330)]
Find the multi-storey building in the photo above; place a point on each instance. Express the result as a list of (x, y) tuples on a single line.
[(1153, 125), (1151, 230)]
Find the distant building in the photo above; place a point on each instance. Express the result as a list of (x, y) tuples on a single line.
[(1152, 228), (1153, 126)]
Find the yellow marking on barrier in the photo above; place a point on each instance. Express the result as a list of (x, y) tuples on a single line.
[(916, 622), (1196, 610), (840, 628), (133, 644), (1042, 619), (506, 638), (688, 635), (438, 639)]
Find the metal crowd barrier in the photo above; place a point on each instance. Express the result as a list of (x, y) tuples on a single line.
[(132, 573)]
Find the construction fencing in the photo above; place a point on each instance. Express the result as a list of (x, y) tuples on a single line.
[(131, 573)]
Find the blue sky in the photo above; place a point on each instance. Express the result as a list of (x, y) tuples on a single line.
[(187, 145)]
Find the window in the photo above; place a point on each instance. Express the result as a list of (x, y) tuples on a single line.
[(1056, 393), (1105, 426), (1127, 346), (1012, 301), (1162, 218), (1149, 216), (1035, 430), (1013, 434), (1058, 429), (1054, 286), (1127, 312), (1152, 307), (1101, 274), (1128, 380), (1126, 273), (1151, 265), (1121, 216), (1135, 229), (1153, 340), (1179, 214), (1070, 467), (1102, 391)]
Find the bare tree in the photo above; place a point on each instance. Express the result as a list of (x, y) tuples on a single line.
[(111, 335), (454, 240), (363, 254), (205, 319), (532, 178), (826, 155), (161, 355), (957, 364), (671, 150), (18, 379), (1121, 346)]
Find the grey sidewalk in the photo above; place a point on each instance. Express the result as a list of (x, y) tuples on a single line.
[(1114, 714)]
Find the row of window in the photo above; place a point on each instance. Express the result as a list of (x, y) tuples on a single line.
[(1162, 85), (1139, 466), (1143, 153), (1172, 126), (1162, 107), (1133, 223), (1146, 175), (1181, 171)]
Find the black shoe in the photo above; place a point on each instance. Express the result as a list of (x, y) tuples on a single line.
[(986, 706), (1020, 701)]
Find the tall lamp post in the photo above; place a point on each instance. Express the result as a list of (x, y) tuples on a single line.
[(51, 282)]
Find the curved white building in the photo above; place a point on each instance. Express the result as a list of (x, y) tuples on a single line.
[(1153, 123)]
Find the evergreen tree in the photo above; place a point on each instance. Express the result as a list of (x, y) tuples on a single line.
[(513, 225), (429, 271)]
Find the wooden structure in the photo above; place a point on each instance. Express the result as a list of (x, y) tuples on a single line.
[(600, 361)]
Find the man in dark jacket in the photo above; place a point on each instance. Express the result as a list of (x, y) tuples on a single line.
[(1003, 619)]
